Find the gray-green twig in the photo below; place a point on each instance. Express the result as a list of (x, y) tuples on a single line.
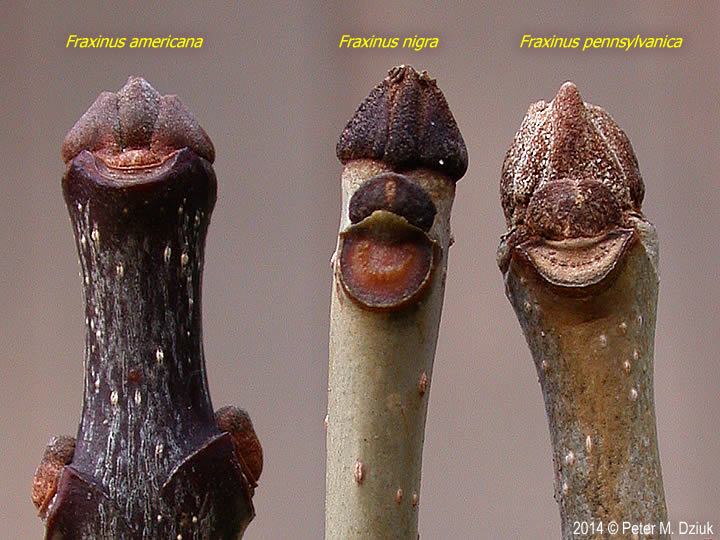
[(402, 154)]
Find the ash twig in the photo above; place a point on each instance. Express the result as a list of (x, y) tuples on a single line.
[(402, 154), (149, 460), (580, 264)]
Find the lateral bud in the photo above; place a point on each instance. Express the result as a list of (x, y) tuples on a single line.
[(58, 453), (237, 423), (397, 194)]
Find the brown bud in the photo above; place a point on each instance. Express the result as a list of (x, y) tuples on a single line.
[(568, 138), (58, 453), (570, 180), (568, 208), (385, 263), (237, 423), (135, 128), (397, 194), (576, 232), (406, 123)]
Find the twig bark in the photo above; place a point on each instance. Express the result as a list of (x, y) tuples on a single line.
[(149, 461), (581, 271), (389, 272)]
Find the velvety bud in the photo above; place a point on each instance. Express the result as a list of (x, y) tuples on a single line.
[(394, 193), (58, 453), (572, 208), (406, 123), (136, 127), (568, 138)]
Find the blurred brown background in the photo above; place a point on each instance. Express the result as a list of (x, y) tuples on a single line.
[(273, 91)]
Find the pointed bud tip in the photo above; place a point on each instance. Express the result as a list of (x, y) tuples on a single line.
[(568, 138), (568, 90), (135, 81)]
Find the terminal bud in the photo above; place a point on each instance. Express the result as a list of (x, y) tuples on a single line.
[(570, 185), (406, 123)]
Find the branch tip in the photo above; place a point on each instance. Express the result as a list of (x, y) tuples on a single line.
[(406, 123), (136, 127)]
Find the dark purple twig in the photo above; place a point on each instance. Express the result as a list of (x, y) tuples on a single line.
[(149, 460)]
